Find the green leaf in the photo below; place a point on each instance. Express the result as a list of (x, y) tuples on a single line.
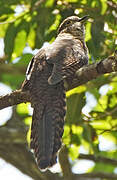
[(19, 44), (73, 151), (6, 10), (20, 39), (66, 136), (13, 81), (31, 38), (105, 166), (79, 89), (24, 60), (15, 38), (10, 2), (112, 100), (75, 134), (9, 40), (22, 109), (75, 139), (3, 28), (75, 103), (104, 6), (101, 125), (27, 120), (110, 137), (87, 134), (102, 104), (88, 32), (49, 3)]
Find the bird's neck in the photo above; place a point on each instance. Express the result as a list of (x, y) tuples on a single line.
[(71, 36), (76, 39)]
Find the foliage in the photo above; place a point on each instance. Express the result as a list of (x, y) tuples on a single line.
[(36, 23)]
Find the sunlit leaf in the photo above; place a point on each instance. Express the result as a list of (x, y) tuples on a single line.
[(22, 109), (49, 3), (27, 120), (102, 104), (73, 151), (101, 124), (110, 137), (104, 6), (31, 38), (79, 89), (76, 129), (112, 100), (19, 44), (88, 31), (66, 135)]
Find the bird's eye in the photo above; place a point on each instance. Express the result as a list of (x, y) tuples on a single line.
[(68, 22)]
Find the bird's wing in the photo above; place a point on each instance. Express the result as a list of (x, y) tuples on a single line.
[(67, 56), (36, 64)]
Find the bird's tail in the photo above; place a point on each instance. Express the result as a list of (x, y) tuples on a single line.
[(47, 127)]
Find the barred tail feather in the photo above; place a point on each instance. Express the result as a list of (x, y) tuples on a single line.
[(42, 137), (60, 107), (47, 124)]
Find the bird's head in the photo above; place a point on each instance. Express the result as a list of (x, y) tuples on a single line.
[(73, 25)]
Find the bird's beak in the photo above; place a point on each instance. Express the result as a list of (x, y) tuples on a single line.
[(84, 18)]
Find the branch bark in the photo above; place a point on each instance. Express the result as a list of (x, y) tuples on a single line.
[(65, 165), (14, 98), (11, 68), (92, 71), (83, 75), (67, 172), (98, 159), (96, 175)]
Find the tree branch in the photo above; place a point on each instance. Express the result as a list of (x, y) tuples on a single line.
[(66, 168), (14, 98), (11, 68), (65, 165), (98, 159), (83, 75), (92, 71), (109, 176)]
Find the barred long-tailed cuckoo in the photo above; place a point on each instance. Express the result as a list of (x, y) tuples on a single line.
[(45, 83)]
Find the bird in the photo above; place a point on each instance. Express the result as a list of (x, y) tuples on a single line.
[(44, 80)]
